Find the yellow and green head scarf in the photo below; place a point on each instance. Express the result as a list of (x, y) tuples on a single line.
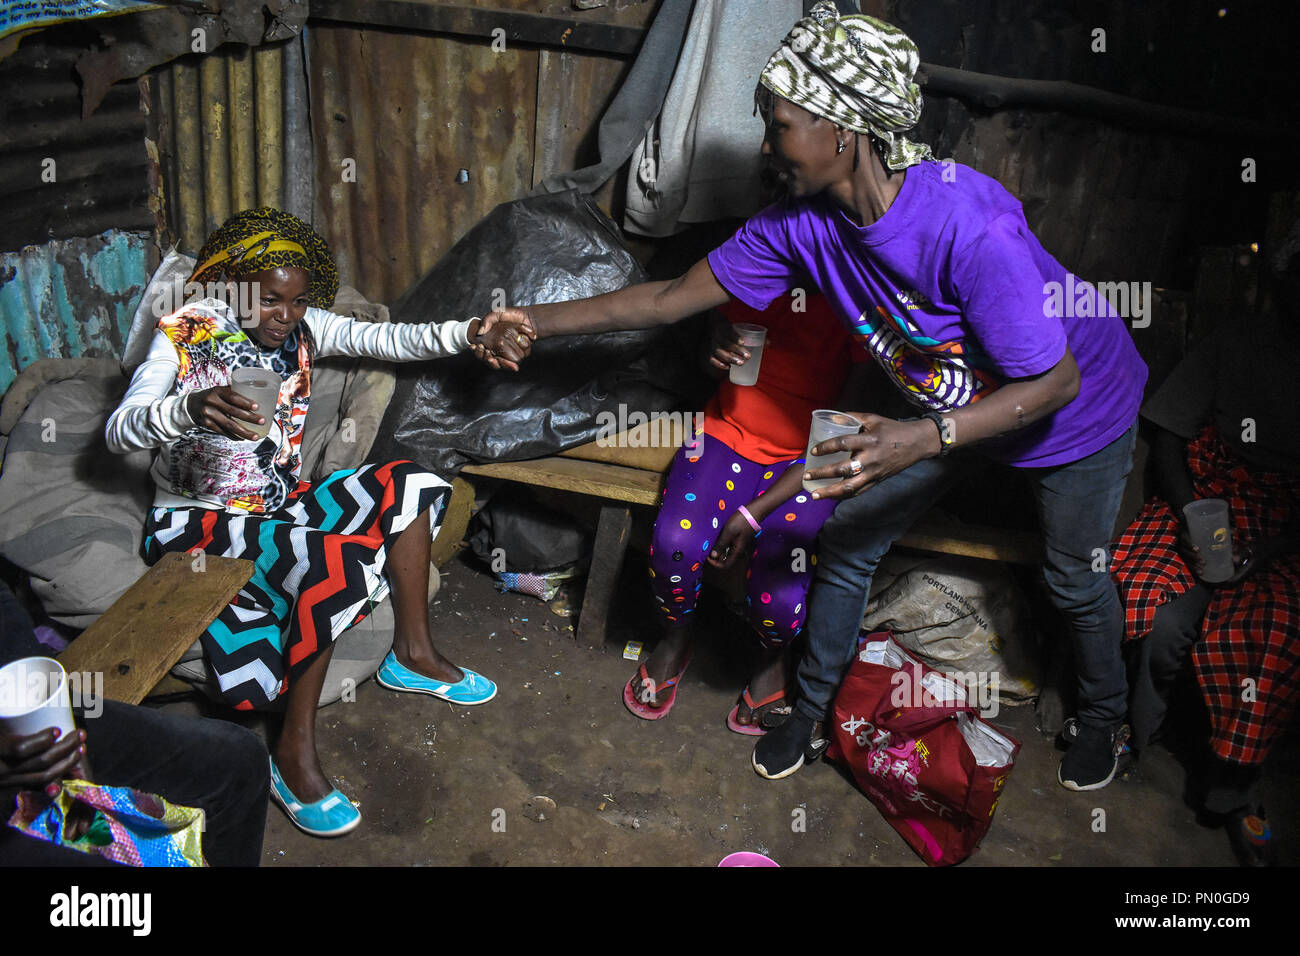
[(856, 71), (259, 239)]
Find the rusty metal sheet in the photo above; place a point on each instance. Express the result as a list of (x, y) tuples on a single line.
[(61, 176), (412, 110), (573, 91), (70, 298), (395, 118), (231, 133), (514, 23), (1111, 201)]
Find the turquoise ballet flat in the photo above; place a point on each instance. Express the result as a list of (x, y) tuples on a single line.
[(330, 816), (471, 689)]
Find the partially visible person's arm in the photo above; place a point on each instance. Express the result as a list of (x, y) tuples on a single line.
[(1174, 482), (1169, 467), (388, 341), (149, 414), (736, 534), (724, 347), (640, 306), (413, 341), (885, 447), (33, 761)]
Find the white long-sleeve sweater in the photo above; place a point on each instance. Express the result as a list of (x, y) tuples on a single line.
[(150, 415)]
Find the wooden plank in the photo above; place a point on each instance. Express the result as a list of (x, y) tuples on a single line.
[(170, 685), (137, 640), (648, 447), (455, 521), (639, 486), (569, 33), (606, 561), (633, 485), (975, 541)]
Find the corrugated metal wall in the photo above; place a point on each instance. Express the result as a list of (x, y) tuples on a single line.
[(68, 286), (70, 298), (1111, 200), (407, 111), (414, 109), (232, 133), (98, 166), (395, 118)]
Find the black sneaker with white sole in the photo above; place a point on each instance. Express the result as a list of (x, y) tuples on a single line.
[(1093, 756), (784, 749)]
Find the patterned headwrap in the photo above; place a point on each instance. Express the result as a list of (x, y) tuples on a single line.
[(855, 71), (255, 240)]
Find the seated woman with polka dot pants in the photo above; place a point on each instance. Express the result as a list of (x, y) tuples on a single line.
[(721, 506)]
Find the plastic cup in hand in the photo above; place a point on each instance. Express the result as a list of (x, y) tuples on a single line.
[(827, 423), (1208, 527), (752, 338), (34, 697), (258, 385)]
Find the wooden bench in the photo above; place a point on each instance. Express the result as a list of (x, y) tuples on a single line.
[(617, 486), (141, 637), (603, 471)]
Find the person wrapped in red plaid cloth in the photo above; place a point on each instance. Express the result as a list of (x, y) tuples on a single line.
[(1224, 427)]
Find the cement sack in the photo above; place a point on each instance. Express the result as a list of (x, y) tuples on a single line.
[(962, 616)]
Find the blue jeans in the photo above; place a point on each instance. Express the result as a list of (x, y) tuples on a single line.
[(1076, 503)]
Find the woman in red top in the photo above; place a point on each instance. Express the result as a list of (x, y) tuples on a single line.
[(736, 489)]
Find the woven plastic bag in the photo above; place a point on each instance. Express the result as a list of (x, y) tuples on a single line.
[(129, 826)]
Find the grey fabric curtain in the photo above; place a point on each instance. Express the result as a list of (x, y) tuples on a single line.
[(637, 103)]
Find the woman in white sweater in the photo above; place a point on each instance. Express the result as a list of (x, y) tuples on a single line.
[(324, 554)]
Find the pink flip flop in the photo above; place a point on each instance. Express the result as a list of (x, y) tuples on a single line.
[(645, 711), (756, 729)]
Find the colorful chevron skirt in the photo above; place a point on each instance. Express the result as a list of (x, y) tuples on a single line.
[(319, 569)]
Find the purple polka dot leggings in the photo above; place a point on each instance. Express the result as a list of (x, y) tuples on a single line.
[(705, 484)]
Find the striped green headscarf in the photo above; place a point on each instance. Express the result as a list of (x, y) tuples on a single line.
[(855, 71)]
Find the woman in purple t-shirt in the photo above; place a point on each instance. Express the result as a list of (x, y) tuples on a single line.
[(932, 266)]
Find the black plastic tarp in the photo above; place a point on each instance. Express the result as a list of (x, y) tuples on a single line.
[(547, 248)]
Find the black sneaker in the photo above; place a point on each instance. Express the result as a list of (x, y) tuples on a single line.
[(1128, 757), (1069, 733), (1094, 752), (784, 749)]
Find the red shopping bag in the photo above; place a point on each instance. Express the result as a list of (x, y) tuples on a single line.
[(931, 765)]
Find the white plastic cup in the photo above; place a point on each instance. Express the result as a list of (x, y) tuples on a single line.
[(34, 697), (752, 337), (260, 386), (1208, 527), (827, 423)]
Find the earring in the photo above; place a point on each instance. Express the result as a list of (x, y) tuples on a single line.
[(839, 148)]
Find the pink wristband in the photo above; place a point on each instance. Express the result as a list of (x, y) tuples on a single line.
[(744, 513)]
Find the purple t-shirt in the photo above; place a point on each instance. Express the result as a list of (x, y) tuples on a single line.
[(953, 295)]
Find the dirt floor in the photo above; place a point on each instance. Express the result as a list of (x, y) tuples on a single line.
[(556, 771)]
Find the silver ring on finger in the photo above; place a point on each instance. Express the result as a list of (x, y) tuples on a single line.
[(855, 467)]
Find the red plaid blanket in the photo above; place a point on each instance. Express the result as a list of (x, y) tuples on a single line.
[(1247, 662)]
